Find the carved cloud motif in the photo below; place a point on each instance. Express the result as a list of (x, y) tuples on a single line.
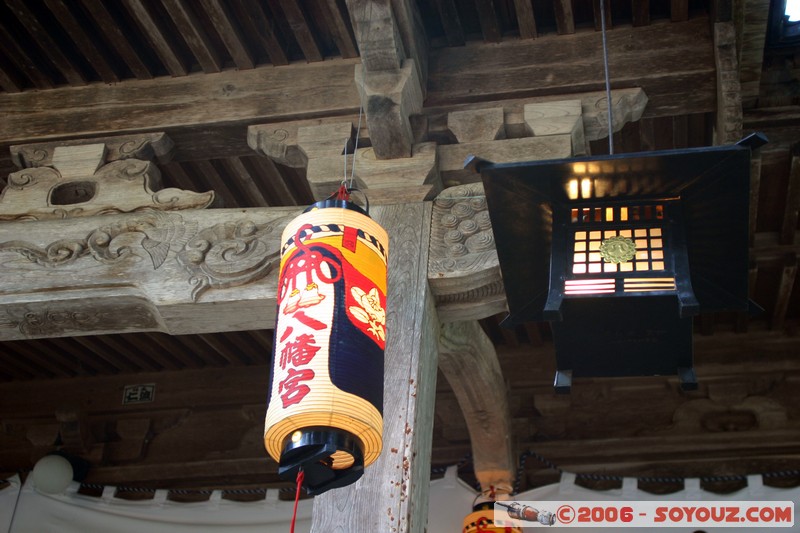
[(161, 232), (229, 255), (463, 265)]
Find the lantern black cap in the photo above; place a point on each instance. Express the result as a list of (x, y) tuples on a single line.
[(312, 449)]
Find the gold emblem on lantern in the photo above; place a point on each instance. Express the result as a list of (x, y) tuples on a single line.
[(617, 249)]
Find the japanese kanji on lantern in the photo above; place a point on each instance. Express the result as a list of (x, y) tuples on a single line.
[(325, 408)]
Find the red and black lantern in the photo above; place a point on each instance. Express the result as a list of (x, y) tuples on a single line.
[(324, 414)]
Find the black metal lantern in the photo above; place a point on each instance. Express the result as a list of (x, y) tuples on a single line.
[(618, 252)]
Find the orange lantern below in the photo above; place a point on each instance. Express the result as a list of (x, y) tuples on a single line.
[(325, 408), (481, 520)]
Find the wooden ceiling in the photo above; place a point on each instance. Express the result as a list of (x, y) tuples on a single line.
[(745, 417)]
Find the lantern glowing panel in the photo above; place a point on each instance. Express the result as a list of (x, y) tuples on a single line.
[(326, 391)]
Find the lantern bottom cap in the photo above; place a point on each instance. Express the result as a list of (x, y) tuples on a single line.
[(329, 457)]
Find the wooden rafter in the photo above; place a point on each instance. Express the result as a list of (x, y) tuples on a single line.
[(525, 19), (565, 21), (302, 31), (252, 17), (229, 33), (83, 40), (451, 22), (195, 36), (165, 51), (117, 39), (51, 49)]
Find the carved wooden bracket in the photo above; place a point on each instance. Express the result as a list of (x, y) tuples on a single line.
[(83, 178), (529, 130), (320, 148), (145, 146), (468, 360)]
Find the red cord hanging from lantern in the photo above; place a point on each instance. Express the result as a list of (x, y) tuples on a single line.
[(324, 414)]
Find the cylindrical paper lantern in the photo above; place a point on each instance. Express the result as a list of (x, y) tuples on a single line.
[(326, 392)]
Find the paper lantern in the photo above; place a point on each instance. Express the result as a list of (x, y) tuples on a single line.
[(482, 520), (326, 388), (52, 474), (618, 252)]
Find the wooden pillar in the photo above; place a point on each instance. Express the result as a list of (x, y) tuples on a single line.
[(392, 496)]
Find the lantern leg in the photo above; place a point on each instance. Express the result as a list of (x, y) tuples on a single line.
[(687, 302), (552, 309), (687, 378), (563, 381)]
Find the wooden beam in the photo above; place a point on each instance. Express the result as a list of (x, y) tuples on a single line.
[(598, 23), (452, 156), (790, 214), (10, 81), (752, 39), (784, 295), (206, 114), (393, 493), (389, 98), (680, 78), (729, 95), (755, 186), (412, 32), (75, 270), (391, 86), (189, 106), (377, 34), (468, 360)]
